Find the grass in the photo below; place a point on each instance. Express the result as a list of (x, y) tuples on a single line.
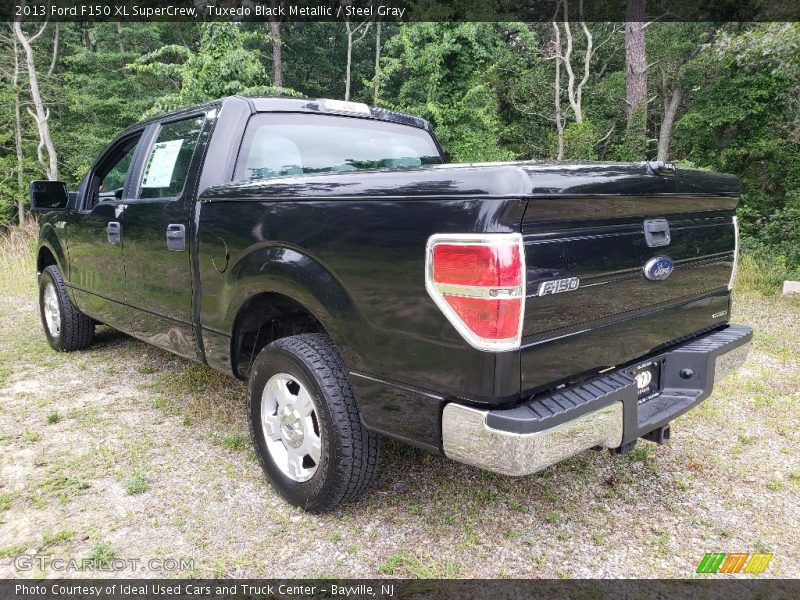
[(52, 539), (63, 487), (774, 485), (53, 418), (17, 258), (31, 436), (5, 501), (200, 394), (102, 553), (136, 484), (761, 276), (10, 551), (233, 440), (404, 562)]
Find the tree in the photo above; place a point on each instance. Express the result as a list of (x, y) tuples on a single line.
[(18, 139), (42, 115), (557, 94), (677, 45), (376, 85), (354, 35), (635, 68), (575, 92), (221, 66), (743, 119), (277, 60), (448, 73), (578, 139)]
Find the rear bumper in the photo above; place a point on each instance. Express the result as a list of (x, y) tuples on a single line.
[(604, 411)]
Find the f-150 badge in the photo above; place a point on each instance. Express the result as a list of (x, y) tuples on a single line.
[(556, 286)]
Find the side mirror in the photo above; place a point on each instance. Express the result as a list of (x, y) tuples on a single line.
[(48, 195)]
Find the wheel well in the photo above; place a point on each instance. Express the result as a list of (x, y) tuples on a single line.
[(263, 319), (44, 259)]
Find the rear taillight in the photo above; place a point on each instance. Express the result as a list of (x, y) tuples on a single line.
[(478, 281), (735, 253)]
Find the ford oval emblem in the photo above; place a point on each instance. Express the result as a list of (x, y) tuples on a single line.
[(658, 268)]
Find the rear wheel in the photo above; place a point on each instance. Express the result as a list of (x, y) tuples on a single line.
[(305, 425), (66, 327)]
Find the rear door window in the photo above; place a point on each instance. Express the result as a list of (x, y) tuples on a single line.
[(278, 145), (167, 165)]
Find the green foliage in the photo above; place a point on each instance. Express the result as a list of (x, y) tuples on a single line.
[(487, 88), (743, 120), (446, 73), (632, 146), (580, 141), (221, 66)]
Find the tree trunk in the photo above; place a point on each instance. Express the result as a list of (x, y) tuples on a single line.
[(120, 45), (349, 62), (277, 60), (41, 116), (18, 139), (668, 121), (635, 66), (575, 92), (557, 95), (377, 61), (363, 28), (574, 102), (56, 42)]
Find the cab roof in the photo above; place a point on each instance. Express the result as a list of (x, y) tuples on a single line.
[(259, 104)]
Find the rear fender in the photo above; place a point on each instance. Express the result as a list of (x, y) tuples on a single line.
[(293, 273)]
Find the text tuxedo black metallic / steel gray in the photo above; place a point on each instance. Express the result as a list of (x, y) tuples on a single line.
[(508, 315)]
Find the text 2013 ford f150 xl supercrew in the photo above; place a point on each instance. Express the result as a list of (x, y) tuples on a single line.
[(507, 315)]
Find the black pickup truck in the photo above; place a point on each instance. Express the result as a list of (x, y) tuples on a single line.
[(507, 315)]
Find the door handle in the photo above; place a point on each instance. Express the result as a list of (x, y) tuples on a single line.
[(176, 237), (114, 231)]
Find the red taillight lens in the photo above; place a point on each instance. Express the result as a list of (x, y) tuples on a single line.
[(477, 265), (490, 319), (478, 282)]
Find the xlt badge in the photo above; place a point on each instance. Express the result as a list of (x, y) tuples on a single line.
[(556, 286)]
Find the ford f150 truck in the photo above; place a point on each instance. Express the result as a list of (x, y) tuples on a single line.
[(506, 315)]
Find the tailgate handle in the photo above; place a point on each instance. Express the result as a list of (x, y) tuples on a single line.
[(656, 232)]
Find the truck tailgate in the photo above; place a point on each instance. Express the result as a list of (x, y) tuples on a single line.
[(616, 314)]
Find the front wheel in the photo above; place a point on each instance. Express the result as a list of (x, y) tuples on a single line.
[(66, 327), (305, 424)]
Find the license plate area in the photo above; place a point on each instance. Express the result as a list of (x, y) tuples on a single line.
[(648, 379)]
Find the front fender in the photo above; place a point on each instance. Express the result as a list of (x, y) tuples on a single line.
[(49, 239)]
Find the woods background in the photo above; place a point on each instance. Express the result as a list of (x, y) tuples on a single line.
[(720, 96)]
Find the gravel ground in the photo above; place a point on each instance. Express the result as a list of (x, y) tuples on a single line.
[(127, 452)]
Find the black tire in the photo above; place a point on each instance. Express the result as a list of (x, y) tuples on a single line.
[(75, 330), (349, 457)]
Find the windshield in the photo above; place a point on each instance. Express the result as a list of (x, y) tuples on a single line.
[(279, 144)]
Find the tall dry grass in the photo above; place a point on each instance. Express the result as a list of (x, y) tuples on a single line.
[(764, 275), (18, 259)]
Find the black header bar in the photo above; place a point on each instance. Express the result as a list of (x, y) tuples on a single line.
[(394, 10)]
